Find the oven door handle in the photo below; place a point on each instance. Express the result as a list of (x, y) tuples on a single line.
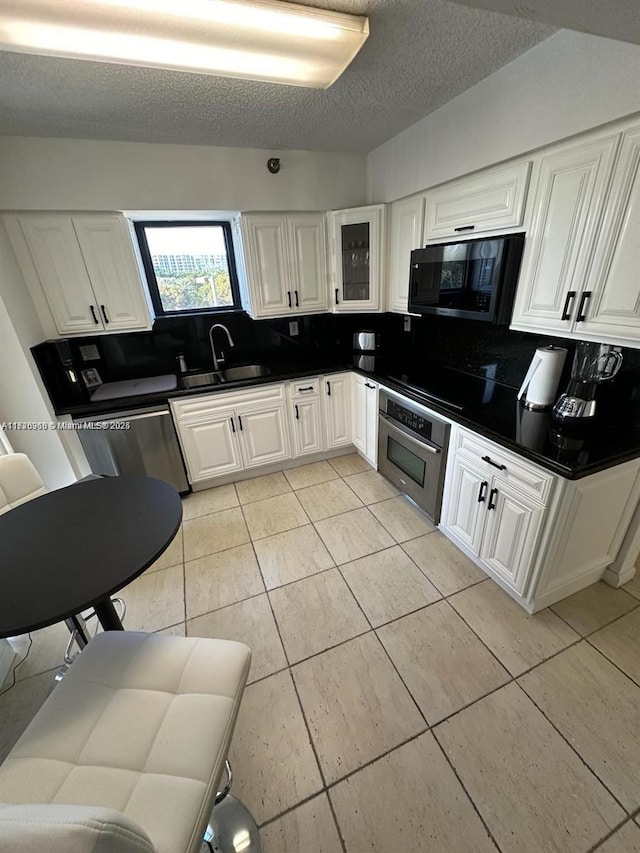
[(422, 443)]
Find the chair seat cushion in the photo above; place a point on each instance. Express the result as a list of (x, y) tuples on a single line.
[(141, 724)]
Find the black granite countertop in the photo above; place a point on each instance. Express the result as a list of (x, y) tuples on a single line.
[(485, 406)]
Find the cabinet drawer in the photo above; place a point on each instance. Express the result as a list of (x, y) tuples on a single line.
[(304, 388), (529, 478), (491, 201), (195, 406)]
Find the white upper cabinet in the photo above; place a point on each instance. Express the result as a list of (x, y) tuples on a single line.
[(565, 215), (87, 269), (489, 202), (286, 263), (611, 298), (405, 234), (357, 255), (108, 254)]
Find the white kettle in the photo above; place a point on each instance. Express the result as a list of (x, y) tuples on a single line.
[(540, 386)]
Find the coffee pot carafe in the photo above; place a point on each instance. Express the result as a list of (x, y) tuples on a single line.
[(592, 364)]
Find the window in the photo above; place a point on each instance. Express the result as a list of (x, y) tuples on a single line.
[(190, 266)]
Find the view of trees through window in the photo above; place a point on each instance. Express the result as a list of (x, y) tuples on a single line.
[(191, 266)]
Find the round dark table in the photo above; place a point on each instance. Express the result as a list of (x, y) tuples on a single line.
[(73, 548)]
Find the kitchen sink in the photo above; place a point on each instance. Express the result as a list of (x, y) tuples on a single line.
[(197, 380), (246, 371)]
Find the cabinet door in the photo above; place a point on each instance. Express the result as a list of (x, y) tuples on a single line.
[(110, 261), (307, 426), (488, 202), (264, 434), (359, 414), (357, 258), (567, 211), (465, 498), (267, 266), (337, 409), (307, 242), (511, 533), (405, 234), (613, 307), (62, 272), (210, 445)]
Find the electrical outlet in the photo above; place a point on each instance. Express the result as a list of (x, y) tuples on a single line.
[(407, 324), (293, 328)]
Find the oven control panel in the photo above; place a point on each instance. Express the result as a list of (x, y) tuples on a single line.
[(416, 423)]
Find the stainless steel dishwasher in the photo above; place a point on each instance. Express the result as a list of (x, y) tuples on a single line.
[(141, 441)]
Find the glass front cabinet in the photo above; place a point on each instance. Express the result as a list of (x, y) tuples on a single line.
[(358, 258)]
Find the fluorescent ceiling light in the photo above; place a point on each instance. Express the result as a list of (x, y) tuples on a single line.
[(251, 39)]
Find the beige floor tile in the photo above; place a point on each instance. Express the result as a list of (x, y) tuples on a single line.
[(155, 601), (388, 585), (594, 607), (620, 642), (216, 532), (273, 763), (371, 487), (409, 800), (625, 840), (518, 640), (19, 705), (604, 731), (250, 622), (531, 788), (292, 555), (401, 519), (355, 704), (350, 463), (259, 488), (448, 569), (173, 556), (220, 579), (352, 535), (209, 500), (316, 613), (308, 829), (633, 586), (274, 515), (327, 499), (310, 475), (440, 659)]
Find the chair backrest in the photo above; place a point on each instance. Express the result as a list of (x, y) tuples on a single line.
[(19, 481)]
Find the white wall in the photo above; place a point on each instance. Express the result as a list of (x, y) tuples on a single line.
[(22, 397), (67, 174), (567, 84)]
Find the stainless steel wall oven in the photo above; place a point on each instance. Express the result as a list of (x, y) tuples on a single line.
[(412, 451)]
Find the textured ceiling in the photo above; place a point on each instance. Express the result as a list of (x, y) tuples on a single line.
[(616, 19), (420, 54)]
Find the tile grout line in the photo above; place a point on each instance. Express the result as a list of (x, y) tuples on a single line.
[(609, 835)]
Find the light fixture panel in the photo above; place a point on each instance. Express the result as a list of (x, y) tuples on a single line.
[(248, 39)]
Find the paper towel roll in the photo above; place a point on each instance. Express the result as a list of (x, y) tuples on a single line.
[(540, 386)]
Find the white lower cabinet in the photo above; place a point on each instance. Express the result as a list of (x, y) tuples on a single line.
[(365, 418), (540, 536), (335, 393), (306, 417), (223, 433)]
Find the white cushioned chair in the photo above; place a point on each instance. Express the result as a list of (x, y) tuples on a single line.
[(19, 481), (126, 754)]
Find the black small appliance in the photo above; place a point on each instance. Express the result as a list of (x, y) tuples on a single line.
[(472, 279)]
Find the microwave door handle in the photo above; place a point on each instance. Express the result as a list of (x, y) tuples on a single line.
[(421, 442)]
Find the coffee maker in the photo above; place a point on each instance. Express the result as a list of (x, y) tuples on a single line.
[(592, 364)]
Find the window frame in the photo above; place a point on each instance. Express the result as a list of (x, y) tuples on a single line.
[(150, 273)]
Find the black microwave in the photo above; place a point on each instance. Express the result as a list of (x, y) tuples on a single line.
[(474, 279)]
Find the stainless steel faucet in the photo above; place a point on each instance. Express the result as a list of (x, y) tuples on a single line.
[(216, 360)]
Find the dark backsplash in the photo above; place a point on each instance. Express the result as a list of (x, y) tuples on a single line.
[(477, 348)]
